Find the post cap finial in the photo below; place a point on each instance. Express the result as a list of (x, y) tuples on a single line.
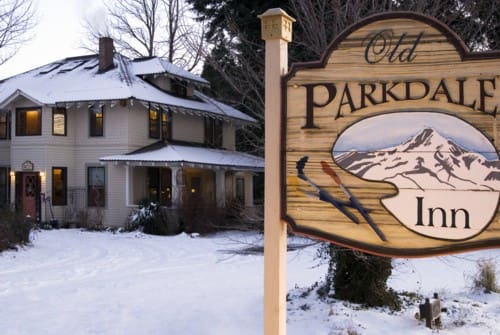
[(276, 24)]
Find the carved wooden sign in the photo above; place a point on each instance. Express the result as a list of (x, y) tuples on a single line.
[(390, 141)]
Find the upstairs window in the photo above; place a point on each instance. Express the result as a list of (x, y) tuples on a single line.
[(59, 186), (4, 125), (96, 115), (166, 125), (154, 123), (59, 121), (213, 132), (160, 124), (28, 121)]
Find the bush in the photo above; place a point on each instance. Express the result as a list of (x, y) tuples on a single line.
[(197, 217), (14, 229), (485, 277), (153, 219), (359, 278), (202, 218)]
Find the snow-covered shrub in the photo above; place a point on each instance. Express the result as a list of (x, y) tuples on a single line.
[(485, 278), (14, 229), (153, 219)]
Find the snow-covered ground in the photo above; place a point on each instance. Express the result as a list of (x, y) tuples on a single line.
[(76, 282)]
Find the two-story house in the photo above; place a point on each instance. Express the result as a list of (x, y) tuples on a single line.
[(101, 133)]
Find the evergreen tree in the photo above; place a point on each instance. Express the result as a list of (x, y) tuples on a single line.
[(236, 61)]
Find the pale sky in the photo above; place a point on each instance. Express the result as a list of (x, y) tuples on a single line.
[(56, 36), (384, 131)]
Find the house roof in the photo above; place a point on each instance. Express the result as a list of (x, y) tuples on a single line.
[(157, 65), (77, 79), (180, 155)]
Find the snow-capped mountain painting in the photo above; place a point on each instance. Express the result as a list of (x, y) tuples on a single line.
[(426, 161), (446, 171)]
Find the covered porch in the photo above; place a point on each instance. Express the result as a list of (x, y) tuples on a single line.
[(183, 176)]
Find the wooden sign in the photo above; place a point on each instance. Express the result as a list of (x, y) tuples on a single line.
[(390, 141)]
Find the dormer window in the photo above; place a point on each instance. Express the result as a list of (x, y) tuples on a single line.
[(179, 87), (28, 121)]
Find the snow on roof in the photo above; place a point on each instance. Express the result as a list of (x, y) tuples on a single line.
[(173, 154), (156, 65), (78, 79)]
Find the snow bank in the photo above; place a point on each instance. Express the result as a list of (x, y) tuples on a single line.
[(131, 283)]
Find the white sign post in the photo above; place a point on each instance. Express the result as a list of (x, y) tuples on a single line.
[(277, 32)]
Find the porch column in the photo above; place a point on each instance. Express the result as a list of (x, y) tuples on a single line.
[(12, 178), (220, 189), (248, 189), (128, 190), (177, 186)]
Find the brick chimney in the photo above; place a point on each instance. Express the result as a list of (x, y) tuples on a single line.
[(106, 51)]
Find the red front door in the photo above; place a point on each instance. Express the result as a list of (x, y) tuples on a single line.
[(29, 187)]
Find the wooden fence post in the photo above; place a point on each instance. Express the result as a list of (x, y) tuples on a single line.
[(277, 32)]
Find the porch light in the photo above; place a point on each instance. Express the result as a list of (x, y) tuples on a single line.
[(42, 174), (12, 174), (193, 190)]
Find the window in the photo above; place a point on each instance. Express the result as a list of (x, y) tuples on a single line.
[(96, 120), (28, 121), (59, 121), (166, 125), (59, 186), (179, 88), (96, 184), (240, 190), (196, 187), (4, 125), (160, 185), (4, 186), (154, 123), (160, 125), (213, 132)]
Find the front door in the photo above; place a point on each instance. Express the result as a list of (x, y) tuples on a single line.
[(29, 194)]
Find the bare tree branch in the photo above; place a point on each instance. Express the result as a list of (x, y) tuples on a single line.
[(151, 28), (319, 22), (17, 19)]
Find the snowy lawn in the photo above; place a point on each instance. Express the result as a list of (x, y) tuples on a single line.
[(75, 282)]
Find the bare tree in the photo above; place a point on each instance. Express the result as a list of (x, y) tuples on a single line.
[(237, 55), (148, 28), (17, 19), (320, 21)]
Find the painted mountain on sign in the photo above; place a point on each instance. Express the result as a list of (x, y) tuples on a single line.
[(425, 161), (447, 172)]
